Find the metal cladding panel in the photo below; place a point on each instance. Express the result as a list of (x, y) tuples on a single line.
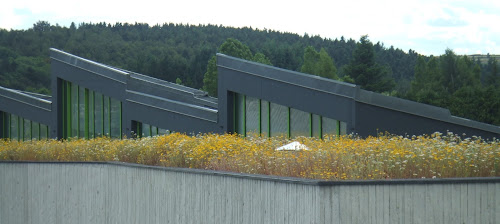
[(88, 65), (378, 119), (362, 111), (287, 76), (89, 79), (296, 90), (169, 91), (172, 106), (26, 106), (168, 116)]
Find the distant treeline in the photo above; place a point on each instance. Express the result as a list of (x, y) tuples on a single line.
[(180, 53)]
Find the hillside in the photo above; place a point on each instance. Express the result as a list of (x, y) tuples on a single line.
[(167, 51)]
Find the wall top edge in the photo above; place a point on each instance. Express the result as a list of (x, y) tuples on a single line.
[(293, 180)]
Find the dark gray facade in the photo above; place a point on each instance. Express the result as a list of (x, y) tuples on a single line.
[(91, 99), (365, 113)]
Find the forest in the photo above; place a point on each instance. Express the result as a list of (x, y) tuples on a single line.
[(184, 54)]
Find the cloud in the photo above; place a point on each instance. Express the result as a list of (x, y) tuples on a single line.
[(441, 22)]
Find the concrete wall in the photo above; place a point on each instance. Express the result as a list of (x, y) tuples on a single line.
[(126, 193)]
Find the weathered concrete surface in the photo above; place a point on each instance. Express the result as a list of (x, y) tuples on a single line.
[(122, 193)]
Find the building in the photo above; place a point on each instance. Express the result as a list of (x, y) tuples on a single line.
[(91, 100)]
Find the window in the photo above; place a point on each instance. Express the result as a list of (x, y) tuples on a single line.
[(256, 116), (147, 130), (279, 120), (18, 128), (252, 115), (88, 114)]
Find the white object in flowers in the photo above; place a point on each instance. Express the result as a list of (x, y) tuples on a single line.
[(293, 146)]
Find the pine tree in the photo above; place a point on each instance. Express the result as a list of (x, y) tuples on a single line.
[(365, 71)]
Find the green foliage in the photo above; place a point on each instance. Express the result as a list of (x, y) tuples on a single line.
[(319, 63), (365, 71), (210, 79), (454, 82), (178, 81)]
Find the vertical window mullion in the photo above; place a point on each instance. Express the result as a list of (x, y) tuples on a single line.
[(31, 130), (86, 105), (321, 127), (234, 113), (338, 129), (269, 118), (93, 114), (102, 115), (311, 125), (109, 115), (260, 117), (244, 115), (139, 129), (289, 120), (121, 115), (62, 106), (19, 132), (68, 107)]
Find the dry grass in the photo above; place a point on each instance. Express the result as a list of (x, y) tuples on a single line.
[(384, 157)]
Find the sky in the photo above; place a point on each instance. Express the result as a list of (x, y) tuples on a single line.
[(428, 27)]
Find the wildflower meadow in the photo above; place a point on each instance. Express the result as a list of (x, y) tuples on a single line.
[(331, 158)]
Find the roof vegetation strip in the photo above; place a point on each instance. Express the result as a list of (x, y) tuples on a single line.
[(292, 180)]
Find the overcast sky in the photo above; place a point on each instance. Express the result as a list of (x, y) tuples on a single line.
[(426, 26)]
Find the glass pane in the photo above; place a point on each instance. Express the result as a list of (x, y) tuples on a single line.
[(14, 128), (316, 126), (279, 120), (43, 131), (91, 114), (98, 115), (74, 110), (264, 117), (35, 130), (343, 128), (146, 131), (81, 113), (6, 124), (162, 131), (300, 123), (329, 126), (106, 116), (115, 118), (252, 115), (240, 113), (27, 129)]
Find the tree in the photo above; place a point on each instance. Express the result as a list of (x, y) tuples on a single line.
[(231, 47), (493, 75), (320, 64), (365, 71), (426, 86)]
